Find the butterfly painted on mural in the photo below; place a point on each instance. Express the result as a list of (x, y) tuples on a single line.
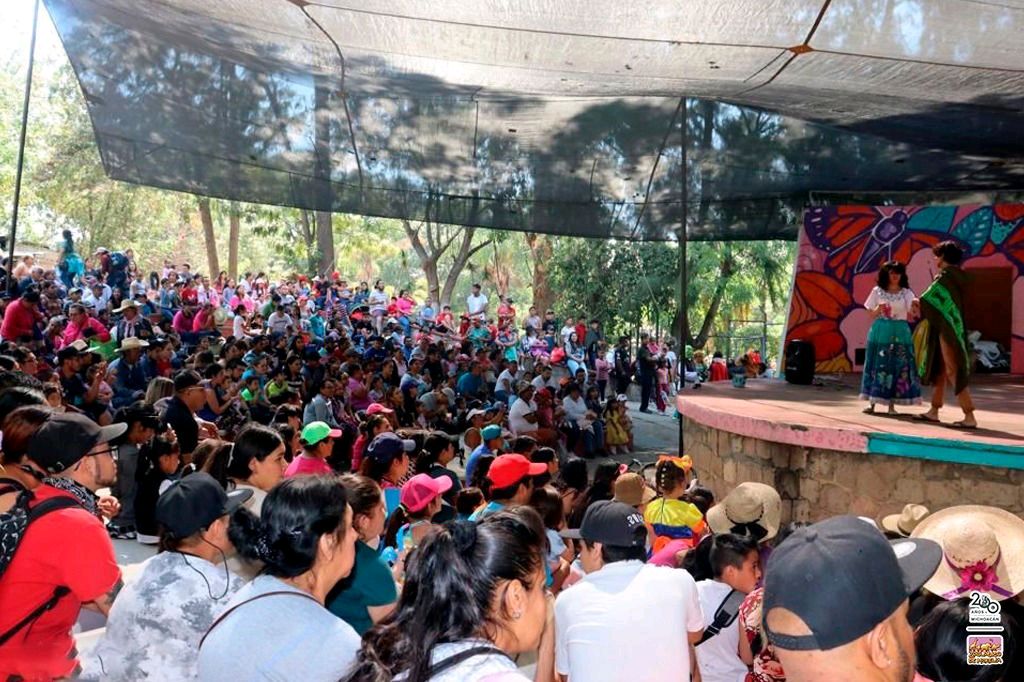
[(859, 238)]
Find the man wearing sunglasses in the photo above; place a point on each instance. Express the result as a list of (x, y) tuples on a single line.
[(64, 559)]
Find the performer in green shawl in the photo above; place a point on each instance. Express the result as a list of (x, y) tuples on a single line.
[(941, 338)]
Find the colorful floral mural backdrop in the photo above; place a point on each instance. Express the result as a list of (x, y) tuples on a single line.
[(841, 248)]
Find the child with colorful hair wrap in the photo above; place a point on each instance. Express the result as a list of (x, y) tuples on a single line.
[(669, 516)]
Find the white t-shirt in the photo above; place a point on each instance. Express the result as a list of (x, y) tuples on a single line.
[(279, 322), (719, 658), (539, 383), (575, 410), (506, 382), (627, 621), (476, 304), (516, 414), (238, 327)]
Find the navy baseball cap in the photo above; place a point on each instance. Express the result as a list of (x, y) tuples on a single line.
[(848, 562)]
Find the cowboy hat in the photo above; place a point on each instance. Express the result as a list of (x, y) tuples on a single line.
[(982, 550), (906, 521), (748, 504), (132, 343), (126, 304)]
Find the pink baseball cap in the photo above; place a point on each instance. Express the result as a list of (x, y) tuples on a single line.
[(421, 490), (377, 408)]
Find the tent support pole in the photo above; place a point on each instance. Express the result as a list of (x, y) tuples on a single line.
[(21, 152), (684, 308)]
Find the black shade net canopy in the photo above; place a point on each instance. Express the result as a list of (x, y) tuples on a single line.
[(566, 117)]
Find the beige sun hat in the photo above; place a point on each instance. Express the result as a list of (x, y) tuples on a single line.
[(906, 521), (982, 549), (132, 343), (748, 503)]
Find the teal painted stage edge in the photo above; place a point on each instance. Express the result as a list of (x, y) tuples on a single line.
[(942, 450)]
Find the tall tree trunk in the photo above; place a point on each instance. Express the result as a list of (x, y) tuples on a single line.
[(234, 224), (325, 242), (322, 171), (542, 251), (206, 217)]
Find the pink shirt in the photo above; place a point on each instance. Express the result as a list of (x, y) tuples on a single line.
[(601, 369), (302, 465), (250, 305), (73, 332)]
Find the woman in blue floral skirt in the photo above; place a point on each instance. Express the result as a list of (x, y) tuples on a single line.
[(890, 374)]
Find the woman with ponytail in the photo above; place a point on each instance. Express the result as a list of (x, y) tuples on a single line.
[(276, 627), (473, 598)]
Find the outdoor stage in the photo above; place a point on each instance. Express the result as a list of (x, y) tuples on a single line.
[(827, 457)]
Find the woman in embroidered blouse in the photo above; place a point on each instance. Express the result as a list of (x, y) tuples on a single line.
[(890, 374)]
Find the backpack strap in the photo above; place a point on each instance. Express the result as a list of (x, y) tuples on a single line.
[(725, 615), (453, 660), (239, 605), (34, 514)]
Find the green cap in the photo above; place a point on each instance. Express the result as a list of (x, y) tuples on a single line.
[(490, 432), (314, 432)]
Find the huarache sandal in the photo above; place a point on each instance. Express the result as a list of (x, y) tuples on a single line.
[(963, 426), (923, 417)]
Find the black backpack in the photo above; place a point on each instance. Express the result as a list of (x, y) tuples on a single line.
[(13, 524)]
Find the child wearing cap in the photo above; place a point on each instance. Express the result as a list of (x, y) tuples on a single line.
[(420, 500), (511, 482), (492, 444)]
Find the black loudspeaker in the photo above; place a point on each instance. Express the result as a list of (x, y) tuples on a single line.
[(800, 362)]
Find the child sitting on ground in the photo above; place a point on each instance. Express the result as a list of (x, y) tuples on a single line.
[(736, 565), (159, 464), (548, 504), (670, 517), (618, 427)]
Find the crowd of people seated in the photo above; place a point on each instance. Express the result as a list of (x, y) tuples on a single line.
[(289, 449)]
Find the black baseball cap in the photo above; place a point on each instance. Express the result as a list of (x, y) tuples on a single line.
[(194, 502), (66, 437), (842, 560), (611, 523), (387, 446)]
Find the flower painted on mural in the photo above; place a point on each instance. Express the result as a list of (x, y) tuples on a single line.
[(819, 302)]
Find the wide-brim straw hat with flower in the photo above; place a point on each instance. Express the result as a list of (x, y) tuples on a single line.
[(982, 550)]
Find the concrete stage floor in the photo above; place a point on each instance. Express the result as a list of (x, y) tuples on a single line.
[(831, 407)]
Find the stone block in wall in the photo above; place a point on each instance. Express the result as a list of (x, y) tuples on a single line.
[(847, 468), (865, 505), (810, 489), (780, 456), (729, 471), (1003, 494), (871, 476), (833, 500), (798, 458), (801, 511), (942, 494), (787, 483), (909, 490), (820, 466)]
